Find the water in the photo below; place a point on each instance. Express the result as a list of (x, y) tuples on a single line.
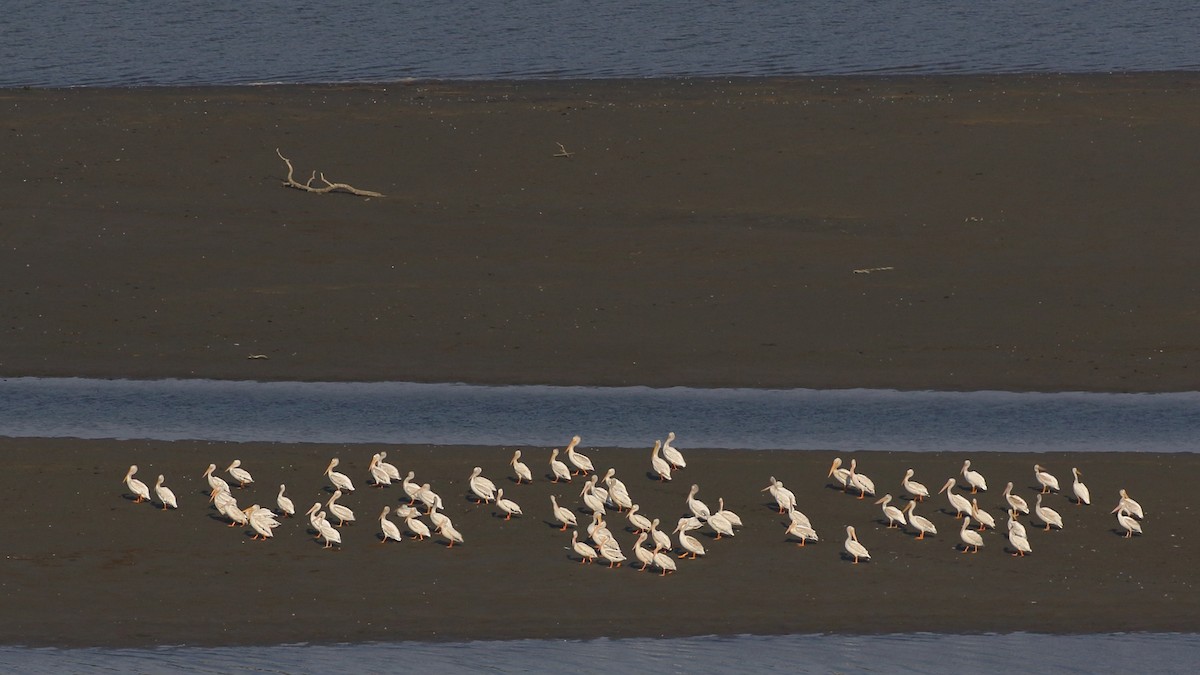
[(119, 43), (459, 414), (902, 653)]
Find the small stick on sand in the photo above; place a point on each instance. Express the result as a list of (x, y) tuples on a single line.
[(562, 151), (329, 187)]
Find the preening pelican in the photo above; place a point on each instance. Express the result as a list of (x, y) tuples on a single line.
[(327, 531), (582, 549), (314, 514), (378, 474), (483, 489), (1082, 496), (410, 488), (215, 481), (520, 469), (984, 518), (429, 498), (1047, 515), (137, 487), (660, 538), (842, 476), (558, 468), (392, 472), (638, 521), (286, 507), (577, 459), (663, 561), (562, 514), (970, 537), (784, 497), (419, 529), (239, 474), (598, 530), (1128, 522), (591, 499), (661, 467), (437, 518), (973, 478), (671, 453), (618, 494), (452, 535), (688, 543), (1127, 503), (721, 525), (919, 523), (796, 516), (1047, 481), (733, 518), (508, 506), (643, 554), (958, 502), (1019, 543), (342, 513), (165, 496), (697, 507), (610, 551), (1015, 526), (853, 547), (390, 531), (227, 505), (916, 490), (894, 516), (860, 482), (1014, 502), (262, 521), (340, 480), (802, 530)]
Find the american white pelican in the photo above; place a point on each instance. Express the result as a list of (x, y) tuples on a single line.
[(452, 535), (1082, 495), (610, 551), (378, 474), (618, 494), (429, 498), (392, 472), (894, 516), (219, 498), (973, 478), (860, 482), (562, 514), (919, 523), (582, 549), (671, 453), (214, 481), (229, 508), (164, 494), (239, 474), (262, 521), (697, 507), (958, 502), (663, 561), (1015, 502), (688, 543), (916, 490), (342, 513), (286, 507), (137, 487), (558, 468), (419, 529), (1127, 503), (1047, 481), (842, 476), (1128, 522), (327, 531), (437, 518), (660, 538), (592, 500), (596, 524), (643, 554), (784, 497), (340, 480), (1019, 543), (508, 506), (802, 530), (969, 537), (796, 516), (853, 547), (733, 518), (661, 467), (314, 514), (390, 531), (721, 525), (638, 521), (578, 459), (1015, 526), (483, 489), (520, 468), (410, 488), (1047, 515), (982, 517)]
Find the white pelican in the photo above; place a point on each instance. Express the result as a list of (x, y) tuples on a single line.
[(973, 478), (558, 468), (419, 529), (562, 514), (643, 554), (958, 502), (229, 508), (314, 514), (1047, 481), (688, 543), (342, 513), (611, 552), (520, 468), (697, 507), (842, 476), (239, 474), (1128, 522), (671, 453), (214, 481), (919, 492), (982, 517), (390, 531), (584, 550), (1047, 515), (137, 487), (661, 540), (661, 467), (592, 500), (638, 521), (577, 459), (618, 494), (1014, 502), (895, 517), (796, 516), (508, 506), (733, 518), (1015, 526), (721, 525), (860, 482), (429, 498), (262, 521), (784, 497), (1127, 503), (970, 537), (220, 498), (1019, 543), (483, 489), (437, 518), (919, 523), (378, 473), (410, 488), (802, 530), (285, 505), (853, 547), (1082, 495), (452, 535), (164, 494), (392, 472), (329, 532), (598, 530), (340, 480), (663, 561)]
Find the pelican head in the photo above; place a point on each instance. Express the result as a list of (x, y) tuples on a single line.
[(234, 464), (132, 470), (211, 468), (332, 463), (837, 462), (949, 484)]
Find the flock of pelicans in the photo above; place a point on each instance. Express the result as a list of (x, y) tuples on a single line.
[(613, 494)]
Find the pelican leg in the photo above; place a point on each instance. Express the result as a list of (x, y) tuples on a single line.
[(922, 535), (683, 555)]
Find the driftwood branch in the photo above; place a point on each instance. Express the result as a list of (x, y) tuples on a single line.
[(562, 151), (307, 186)]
